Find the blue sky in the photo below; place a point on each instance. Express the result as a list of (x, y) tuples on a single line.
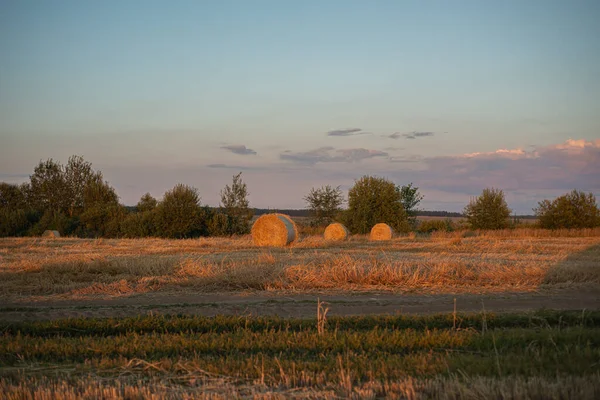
[(301, 94)]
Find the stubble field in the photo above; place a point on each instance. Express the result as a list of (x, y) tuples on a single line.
[(507, 314)]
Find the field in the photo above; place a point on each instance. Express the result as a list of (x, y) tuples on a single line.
[(506, 314)]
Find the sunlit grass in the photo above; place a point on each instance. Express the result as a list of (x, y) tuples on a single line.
[(491, 261)]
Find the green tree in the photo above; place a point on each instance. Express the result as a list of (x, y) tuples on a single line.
[(103, 220), (16, 216), (48, 188), (179, 214), (572, 210), (373, 200), (235, 205), (488, 211), (99, 193), (324, 204), (218, 223), (12, 197), (77, 175), (146, 203), (411, 197)]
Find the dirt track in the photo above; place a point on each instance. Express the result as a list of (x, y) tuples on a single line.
[(303, 305)]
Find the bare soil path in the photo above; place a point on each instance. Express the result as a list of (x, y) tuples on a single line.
[(302, 305)]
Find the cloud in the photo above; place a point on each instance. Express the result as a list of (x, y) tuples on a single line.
[(392, 148), (574, 164), (354, 155), (239, 149), (413, 158), (225, 166), (329, 154), (347, 132), (411, 135)]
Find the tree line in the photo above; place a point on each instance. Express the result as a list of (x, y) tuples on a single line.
[(76, 200)]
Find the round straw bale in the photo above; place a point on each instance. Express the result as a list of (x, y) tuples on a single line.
[(51, 234), (274, 230), (381, 232), (336, 231)]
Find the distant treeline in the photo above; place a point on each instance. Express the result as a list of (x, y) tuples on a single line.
[(75, 200), (306, 213)]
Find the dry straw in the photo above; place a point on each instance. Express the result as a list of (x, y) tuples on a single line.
[(274, 230), (51, 234), (381, 232), (336, 231)]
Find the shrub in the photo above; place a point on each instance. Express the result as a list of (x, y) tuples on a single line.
[(139, 224), (572, 210), (488, 211), (103, 220), (55, 221), (324, 204), (146, 203), (436, 225), (235, 206), (179, 214), (218, 224), (374, 200), (410, 200)]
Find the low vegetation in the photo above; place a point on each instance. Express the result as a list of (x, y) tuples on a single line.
[(488, 211), (572, 210), (539, 355)]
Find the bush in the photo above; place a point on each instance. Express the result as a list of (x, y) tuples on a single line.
[(103, 221), (373, 200), (572, 210), (488, 211), (436, 225), (179, 215), (139, 224), (56, 221), (411, 197), (324, 204), (17, 222), (219, 224), (235, 207)]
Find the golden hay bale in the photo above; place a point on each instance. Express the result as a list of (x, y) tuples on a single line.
[(51, 234), (336, 231), (381, 232), (274, 230)]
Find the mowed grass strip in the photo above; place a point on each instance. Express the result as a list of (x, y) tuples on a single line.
[(351, 355)]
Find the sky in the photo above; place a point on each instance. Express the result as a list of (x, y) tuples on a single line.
[(453, 96)]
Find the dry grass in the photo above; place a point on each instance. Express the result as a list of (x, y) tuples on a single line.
[(205, 386), (491, 261)]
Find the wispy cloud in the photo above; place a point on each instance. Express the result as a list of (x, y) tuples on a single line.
[(226, 166), (347, 132), (329, 154), (239, 149), (411, 135), (413, 158), (321, 154)]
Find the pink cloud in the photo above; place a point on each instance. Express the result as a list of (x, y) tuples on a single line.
[(568, 165)]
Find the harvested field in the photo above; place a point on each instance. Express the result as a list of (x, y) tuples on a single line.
[(440, 316), (41, 270)]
